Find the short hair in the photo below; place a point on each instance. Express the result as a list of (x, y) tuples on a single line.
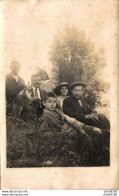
[(41, 71), (15, 62), (50, 94), (34, 75)]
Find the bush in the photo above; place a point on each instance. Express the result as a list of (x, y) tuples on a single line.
[(93, 61)]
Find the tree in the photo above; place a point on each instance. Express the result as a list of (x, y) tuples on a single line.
[(80, 46)]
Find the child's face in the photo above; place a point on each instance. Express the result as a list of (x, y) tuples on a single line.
[(50, 103), (44, 76)]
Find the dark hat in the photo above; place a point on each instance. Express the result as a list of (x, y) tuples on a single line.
[(57, 89), (77, 84)]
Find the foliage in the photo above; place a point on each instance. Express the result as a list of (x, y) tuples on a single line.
[(81, 46), (21, 142), (27, 146)]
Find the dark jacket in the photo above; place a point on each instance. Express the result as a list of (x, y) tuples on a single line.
[(28, 107), (72, 72), (72, 108), (13, 88)]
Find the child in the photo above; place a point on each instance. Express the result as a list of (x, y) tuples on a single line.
[(57, 135), (55, 116), (55, 121), (46, 84)]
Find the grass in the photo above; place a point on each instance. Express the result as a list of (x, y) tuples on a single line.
[(29, 147)]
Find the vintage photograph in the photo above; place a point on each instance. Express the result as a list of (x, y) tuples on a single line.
[(57, 84)]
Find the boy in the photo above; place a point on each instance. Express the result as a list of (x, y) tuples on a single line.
[(55, 116), (55, 124)]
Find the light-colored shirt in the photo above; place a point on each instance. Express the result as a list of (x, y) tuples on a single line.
[(38, 92), (80, 102), (69, 59), (60, 100), (15, 77)]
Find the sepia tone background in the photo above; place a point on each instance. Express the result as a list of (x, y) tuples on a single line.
[(28, 30)]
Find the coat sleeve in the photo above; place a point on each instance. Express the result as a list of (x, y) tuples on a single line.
[(83, 74), (7, 83), (74, 123), (68, 110), (23, 85), (89, 110), (59, 75)]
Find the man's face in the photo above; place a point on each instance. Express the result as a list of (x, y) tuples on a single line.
[(36, 81), (66, 52), (50, 103), (77, 92), (15, 67), (64, 91)]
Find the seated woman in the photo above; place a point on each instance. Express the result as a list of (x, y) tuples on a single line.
[(62, 91)]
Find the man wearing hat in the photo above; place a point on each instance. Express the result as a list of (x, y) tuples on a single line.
[(76, 107), (71, 68)]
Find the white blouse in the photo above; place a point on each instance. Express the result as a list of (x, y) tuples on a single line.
[(60, 100)]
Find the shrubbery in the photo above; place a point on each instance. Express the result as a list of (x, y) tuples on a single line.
[(93, 61)]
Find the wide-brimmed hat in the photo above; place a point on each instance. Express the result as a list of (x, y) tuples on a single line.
[(57, 89), (77, 84)]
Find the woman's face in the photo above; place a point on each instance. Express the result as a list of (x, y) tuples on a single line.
[(64, 91)]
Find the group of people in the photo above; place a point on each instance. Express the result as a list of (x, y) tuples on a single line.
[(64, 106), (69, 92)]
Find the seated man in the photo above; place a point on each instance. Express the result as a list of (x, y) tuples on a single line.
[(56, 126), (75, 106), (29, 100), (54, 116), (14, 84)]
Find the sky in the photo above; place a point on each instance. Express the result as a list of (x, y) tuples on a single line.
[(29, 29)]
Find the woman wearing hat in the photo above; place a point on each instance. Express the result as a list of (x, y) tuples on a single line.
[(62, 91)]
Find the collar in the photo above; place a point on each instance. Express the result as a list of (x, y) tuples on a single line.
[(72, 97), (69, 58), (53, 113), (35, 87), (14, 76), (61, 97)]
